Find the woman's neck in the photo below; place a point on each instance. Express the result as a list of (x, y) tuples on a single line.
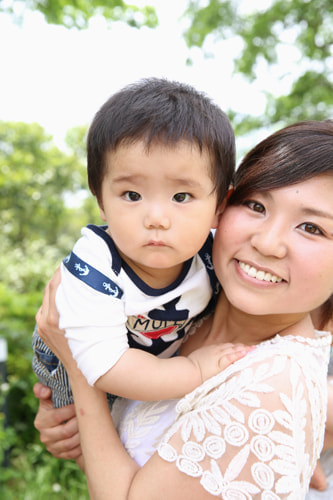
[(229, 324)]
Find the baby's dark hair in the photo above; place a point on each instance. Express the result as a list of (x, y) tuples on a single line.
[(158, 111), (289, 156)]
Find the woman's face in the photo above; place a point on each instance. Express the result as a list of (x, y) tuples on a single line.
[(273, 253)]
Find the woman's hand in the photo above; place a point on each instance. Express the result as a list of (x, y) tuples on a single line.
[(47, 319), (58, 427)]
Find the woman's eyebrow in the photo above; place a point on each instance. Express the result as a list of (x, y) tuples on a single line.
[(317, 212)]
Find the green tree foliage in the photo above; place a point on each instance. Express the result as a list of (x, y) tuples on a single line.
[(304, 24), (44, 201), (77, 13), (34, 178), (40, 217)]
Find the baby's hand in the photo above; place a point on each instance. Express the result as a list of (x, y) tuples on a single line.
[(213, 359)]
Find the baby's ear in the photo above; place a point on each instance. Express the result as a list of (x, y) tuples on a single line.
[(101, 212), (218, 213)]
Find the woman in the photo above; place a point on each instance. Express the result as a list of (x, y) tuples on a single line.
[(256, 429)]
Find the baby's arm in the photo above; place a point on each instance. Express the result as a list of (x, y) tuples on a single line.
[(145, 377)]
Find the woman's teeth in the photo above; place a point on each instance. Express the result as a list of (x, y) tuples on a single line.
[(259, 275)]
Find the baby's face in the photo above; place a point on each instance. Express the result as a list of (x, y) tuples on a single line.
[(159, 206)]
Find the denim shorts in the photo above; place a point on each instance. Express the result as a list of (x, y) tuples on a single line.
[(51, 372)]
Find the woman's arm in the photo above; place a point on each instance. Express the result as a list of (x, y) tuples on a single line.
[(109, 469), (100, 443), (111, 473)]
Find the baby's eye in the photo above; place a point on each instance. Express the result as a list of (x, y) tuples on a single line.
[(132, 196), (181, 197), (311, 228), (255, 206)]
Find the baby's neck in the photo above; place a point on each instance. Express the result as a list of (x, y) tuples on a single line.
[(158, 278), (155, 277)]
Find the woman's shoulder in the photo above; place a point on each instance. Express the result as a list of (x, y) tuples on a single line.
[(271, 360), (258, 425)]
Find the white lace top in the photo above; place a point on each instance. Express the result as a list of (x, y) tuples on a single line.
[(254, 431)]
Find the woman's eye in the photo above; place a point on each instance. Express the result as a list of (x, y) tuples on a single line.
[(181, 197), (132, 196), (255, 206), (310, 228)]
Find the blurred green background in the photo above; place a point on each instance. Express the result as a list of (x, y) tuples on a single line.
[(39, 225)]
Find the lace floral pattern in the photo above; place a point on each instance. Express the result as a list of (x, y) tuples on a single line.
[(135, 421), (255, 430), (252, 432)]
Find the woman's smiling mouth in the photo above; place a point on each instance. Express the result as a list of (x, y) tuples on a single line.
[(259, 275)]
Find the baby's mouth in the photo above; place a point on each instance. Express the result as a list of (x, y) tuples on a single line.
[(259, 275)]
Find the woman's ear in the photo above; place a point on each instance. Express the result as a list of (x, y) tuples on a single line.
[(230, 191), (220, 209)]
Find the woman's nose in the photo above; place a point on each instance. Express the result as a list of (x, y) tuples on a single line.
[(270, 241)]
